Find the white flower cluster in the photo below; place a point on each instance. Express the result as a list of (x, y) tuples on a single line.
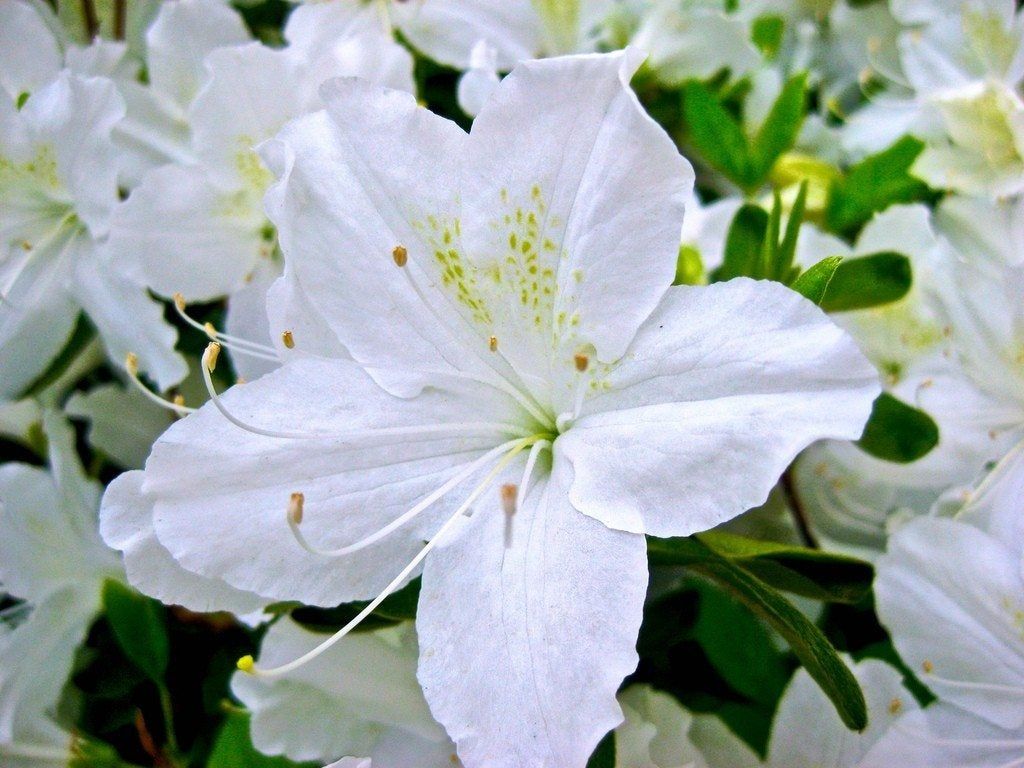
[(329, 347)]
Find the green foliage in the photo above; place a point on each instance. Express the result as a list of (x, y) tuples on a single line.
[(812, 573), (767, 32), (868, 281), (813, 283), (873, 185), (397, 607), (234, 748), (753, 247), (139, 626), (898, 432), (720, 139), (810, 645)]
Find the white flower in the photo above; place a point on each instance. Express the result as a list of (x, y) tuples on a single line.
[(51, 555), (58, 180), (657, 731), (197, 228), (951, 594), (962, 64), (507, 297), (360, 697)]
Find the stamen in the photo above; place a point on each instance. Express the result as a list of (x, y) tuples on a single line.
[(295, 505), (398, 522), (582, 361), (492, 344), (288, 339), (246, 663), (525, 399), (509, 494), (401, 255), (211, 355), (483, 428), (131, 364), (233, 343)]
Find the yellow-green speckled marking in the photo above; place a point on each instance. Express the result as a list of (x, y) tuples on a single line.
[(40, 171)]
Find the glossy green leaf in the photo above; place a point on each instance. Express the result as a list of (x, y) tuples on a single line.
[(812, 573), (739, 646), (898, 432), (873, 185), (813, 283), (779, 131), (139, 626), (868, 281), (807, 641), (743, 243), (715, 133)]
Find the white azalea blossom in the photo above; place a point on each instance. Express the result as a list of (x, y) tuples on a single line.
[(951, 593), (362, 693), (58, 178), (197, 227), (51, 555), (807, 733), (505, 299)]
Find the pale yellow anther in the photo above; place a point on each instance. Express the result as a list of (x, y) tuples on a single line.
[(400, 255), (874, 44), (131, 364), (864, 76), (927, 666), (582, 361), (210, 356), (295, 507), (179, 302), (246, 664), (241, 380), (895, 706), (288, 339), (492, 344), (509, 492), (211, 331)]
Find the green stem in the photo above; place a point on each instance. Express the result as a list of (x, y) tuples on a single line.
[(167, 708)]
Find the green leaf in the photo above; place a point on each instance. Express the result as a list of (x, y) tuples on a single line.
[(785, 254), (766, 33), (744, 243), (802, 571), (873, 185), (397, 607), (898, 432), (868, 281), (813, 649), (813, 284), (604, 755), (739, 646), (139, 626), (716, 134), (234, 748), (779, 131)]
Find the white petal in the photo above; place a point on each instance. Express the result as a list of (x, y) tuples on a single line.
[(951, 597), (122, 423), (523, 646), (943, 735), (251, 91), (351, 762), (994, 506), (480, 80), (128, 320), (179, 39), (354, 691), (655, 733), (247, 318), (49, 523), (35, 661), (447, 31), (153, 132), (974, 224), (592, 187), (177, 232), (722, 387), (808, 733), (353, 186), (221, 494), (74, 117), (29, 53), (37, 315), (126, 524)]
